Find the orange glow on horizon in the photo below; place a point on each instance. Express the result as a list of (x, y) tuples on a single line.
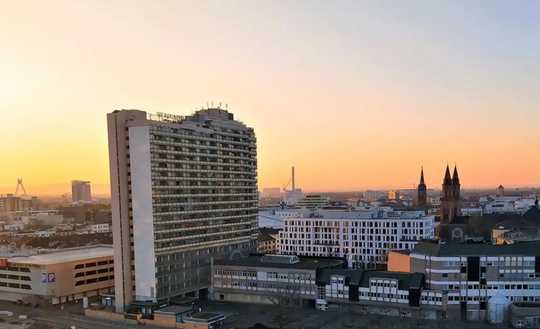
[(349, 110)]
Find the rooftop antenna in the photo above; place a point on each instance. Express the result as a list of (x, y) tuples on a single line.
[(21, 186)]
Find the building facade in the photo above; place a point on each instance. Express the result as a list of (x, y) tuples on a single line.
[(269, 278), (471, 274), (362, 237), (184, 189), (313, 201), (81, 191), (13, 203), (58, 277), (377, 288), (323, 282), (267, 240)]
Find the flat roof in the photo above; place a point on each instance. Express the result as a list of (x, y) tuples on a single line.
[(66, 255), (304, 263), (205, 315), (373, 214), (529, 248), (174, 309)]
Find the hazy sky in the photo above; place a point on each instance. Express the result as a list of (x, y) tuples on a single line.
[(356, 94)]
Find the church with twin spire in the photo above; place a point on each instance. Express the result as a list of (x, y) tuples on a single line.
[(451, 195)]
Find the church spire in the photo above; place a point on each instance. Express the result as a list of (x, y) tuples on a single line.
[(455, 177), (447, 177), (422, 190)]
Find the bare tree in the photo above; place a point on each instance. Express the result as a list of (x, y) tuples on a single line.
[(288, 295)]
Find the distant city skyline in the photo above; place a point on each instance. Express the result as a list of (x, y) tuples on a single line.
[(355, 94), (103, 190)]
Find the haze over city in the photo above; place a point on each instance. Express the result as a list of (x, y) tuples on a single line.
[(291, 164), (356, 96)]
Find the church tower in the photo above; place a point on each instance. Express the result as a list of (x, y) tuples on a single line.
[(422, 191), (451, 194)]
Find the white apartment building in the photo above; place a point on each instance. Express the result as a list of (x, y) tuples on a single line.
[(363, 237), (183, 191), (506, 204)]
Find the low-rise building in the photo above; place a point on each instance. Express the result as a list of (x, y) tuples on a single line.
[(266, 279), (376, 288), (471, 274), (267, 240), (58, 277), (183, 317), (525, 315), (506, 204), (510, 236), (324, 283)]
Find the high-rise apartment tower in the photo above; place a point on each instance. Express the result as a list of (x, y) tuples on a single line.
[(81, 191), (183, 190)]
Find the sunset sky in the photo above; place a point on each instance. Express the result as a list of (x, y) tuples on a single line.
[(355, 94)]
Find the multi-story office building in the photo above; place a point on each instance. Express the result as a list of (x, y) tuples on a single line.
[(363, 237), (58, 277), (323, 281), (265, 279), (471, 274), (184, 189), (377, 288), (81, 191)]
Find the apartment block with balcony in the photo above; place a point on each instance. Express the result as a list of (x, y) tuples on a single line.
[(184, 190)]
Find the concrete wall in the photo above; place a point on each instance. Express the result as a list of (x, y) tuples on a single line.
[(106, 315), (399, 262), (118, 158), (143, 219), (242, 298), (387, 310)]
